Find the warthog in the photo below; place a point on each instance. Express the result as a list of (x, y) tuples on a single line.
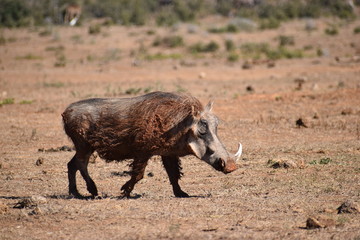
[(159, 123)]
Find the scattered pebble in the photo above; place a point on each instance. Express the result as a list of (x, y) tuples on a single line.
[(300, 123), (286, 163), (348, 207), (319, 222), (24, 203), (58, 149), (36, 199), (300, 82), (247, 65), (40, 161), (202, 75), (346, 111), (3, 208), (250, 89)]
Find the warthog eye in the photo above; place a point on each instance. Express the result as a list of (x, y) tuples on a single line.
[(203, 127)]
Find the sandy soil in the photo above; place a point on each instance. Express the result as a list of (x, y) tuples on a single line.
[(318, 166)]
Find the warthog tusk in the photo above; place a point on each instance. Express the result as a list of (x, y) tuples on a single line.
[(238, 153)]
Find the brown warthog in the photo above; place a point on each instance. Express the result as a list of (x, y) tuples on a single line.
[(159, 123)]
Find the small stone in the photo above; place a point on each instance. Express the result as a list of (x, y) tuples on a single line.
[(250, 89), (24, 203), (40, 161), (300, 123), (346, 111), (202, 75), (3, 208), (247, 65), (300, 81), (348, 207), (286, 163), (36, 211), (38, 200), (319, 222)]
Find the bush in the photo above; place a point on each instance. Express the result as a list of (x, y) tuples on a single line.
[(357, 30), (286, 40), (230, 45), (256, 50), (14, 13), (94, 29), (230, 28), (332, 31), (233, 57), (269, 23), (170, 41), (204, 48)]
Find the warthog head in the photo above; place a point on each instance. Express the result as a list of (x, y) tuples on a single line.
[(206, 145)]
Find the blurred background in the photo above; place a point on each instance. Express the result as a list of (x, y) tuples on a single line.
[(267, 13)]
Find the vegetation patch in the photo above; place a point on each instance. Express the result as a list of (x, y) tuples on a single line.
[(331, 31), (7, 101), (26, 101), (230, 28), (259, 50), (169, 41), (230, 45), (233, 57), (322, 161), (94, 29), (162, 56), (29, 56), (204, 48), (357, 30), (53, 84)]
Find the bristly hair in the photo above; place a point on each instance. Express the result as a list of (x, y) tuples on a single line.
[(164, 119), (153, 125)]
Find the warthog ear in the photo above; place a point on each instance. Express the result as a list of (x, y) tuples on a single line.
[(209, 106), (196, 114), (197, 146)]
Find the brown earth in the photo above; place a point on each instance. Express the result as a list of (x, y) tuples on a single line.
[(320, 164)]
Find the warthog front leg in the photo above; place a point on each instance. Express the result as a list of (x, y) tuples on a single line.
[(173, 168), (137, 173)]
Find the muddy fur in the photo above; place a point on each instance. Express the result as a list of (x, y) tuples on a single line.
[(166, 124), (131, 128), (148, 125)]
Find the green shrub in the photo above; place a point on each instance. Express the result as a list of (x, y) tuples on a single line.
[(29, 56), (230, 28), (233, 57), (14, 13), (94, 29), (256, 50), (7, 101), (26, 101), (269, 23), (331, 31), (204, 48), (60, 60), (2, 39), (325, 161), (169, 41), (286, 40), (357, 30), (166, 18), (161, 56), (283, 52), (229, 45)]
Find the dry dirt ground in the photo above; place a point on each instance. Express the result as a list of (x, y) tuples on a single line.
[(286, 174)]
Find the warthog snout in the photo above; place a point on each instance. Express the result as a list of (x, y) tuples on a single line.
[(225, 166)]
